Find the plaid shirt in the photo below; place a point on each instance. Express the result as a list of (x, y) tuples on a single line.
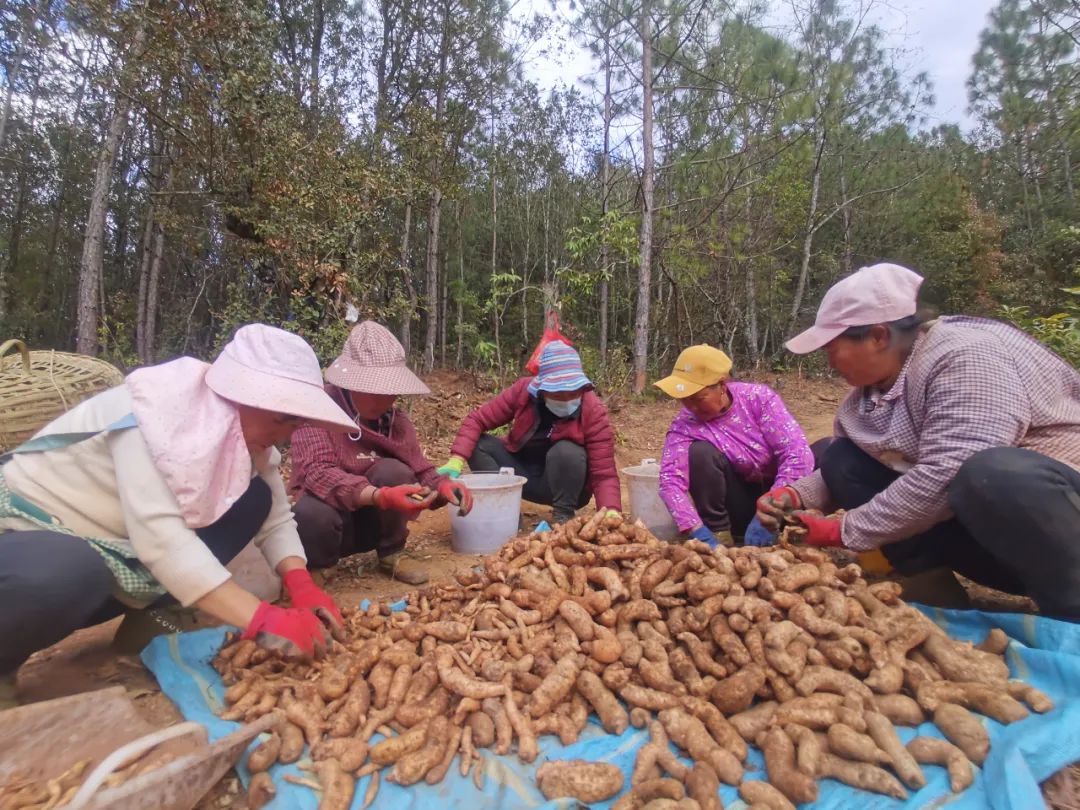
[(968, 384), (332, 466)]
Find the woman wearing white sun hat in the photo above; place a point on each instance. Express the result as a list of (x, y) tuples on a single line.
[(148, 489), (957, 451)]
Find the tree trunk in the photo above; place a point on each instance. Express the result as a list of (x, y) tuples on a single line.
[(459, 356), (146, 253), (525, 274), (435, 207), (432, 276), (318, 26), (847, 259), (406, 277), (56, 301), (641, 319), (605, 199), (811, 228), (444, 304), (16, 66), (93, 252), (17, 223), (494, 239)]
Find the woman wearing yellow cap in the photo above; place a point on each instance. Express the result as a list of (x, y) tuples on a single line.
[(730, 443)]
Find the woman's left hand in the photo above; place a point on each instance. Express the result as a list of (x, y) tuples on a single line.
[(304, 593), (457, 494)]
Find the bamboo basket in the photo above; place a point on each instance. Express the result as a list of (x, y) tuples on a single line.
[(43, 386)]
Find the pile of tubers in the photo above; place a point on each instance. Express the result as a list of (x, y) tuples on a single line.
[(712, 651)]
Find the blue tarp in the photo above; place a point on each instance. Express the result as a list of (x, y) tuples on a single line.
[(1045, 653)]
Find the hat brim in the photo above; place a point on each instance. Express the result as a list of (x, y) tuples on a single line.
[(389, 381), (677, 387), (562, 386), (246, 386), (813, 338)]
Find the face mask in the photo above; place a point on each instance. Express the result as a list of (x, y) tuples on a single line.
[(563, 409)]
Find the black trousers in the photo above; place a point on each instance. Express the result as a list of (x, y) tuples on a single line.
[(557, 478), (724, 501), (52, 584), (1017, 513), (329, 533)]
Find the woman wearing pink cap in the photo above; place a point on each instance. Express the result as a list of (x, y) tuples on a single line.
[(357, 491), (957, 451), (139, 496)]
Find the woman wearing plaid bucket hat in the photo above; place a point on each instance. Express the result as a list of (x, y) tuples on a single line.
[(357, 491), (560, 438), (139, 496)]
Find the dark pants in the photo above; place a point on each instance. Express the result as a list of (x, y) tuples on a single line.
[(329, 533), (725, 502), (1015, 525), (556, 478), (52, 584)]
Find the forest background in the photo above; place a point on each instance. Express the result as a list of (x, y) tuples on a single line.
[(170, 169)]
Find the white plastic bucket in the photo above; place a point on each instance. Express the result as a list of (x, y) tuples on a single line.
[(643, 482), (495, 513)]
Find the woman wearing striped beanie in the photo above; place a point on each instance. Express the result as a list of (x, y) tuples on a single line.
[(560, 438)]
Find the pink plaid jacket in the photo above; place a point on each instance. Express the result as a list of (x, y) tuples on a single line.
[(969, 384)]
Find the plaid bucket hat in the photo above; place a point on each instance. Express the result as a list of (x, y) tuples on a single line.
[(560, 370), (373, 362)]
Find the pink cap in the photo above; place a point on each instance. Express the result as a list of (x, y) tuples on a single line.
[(879, 293), (269, 368)]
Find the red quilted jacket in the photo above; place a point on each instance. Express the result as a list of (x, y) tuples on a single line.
[(589, 427)]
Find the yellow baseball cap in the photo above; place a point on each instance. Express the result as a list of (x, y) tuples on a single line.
[(697, 367)]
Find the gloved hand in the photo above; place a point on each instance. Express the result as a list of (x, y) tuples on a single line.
[(455, 493), (452, 468), (774, 505), (820, 530), (703, 534), (295, 632), (757, 535), (305, 594), (397, 498)]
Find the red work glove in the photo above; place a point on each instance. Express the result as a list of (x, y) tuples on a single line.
[(775, 504), (397, 498), (457, 494), (305, 594), (295, 632), (820, 531)]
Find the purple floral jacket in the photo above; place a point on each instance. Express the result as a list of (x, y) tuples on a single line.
[(760, 438)]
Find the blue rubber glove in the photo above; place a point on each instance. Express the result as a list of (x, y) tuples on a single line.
[(703, 534), (757, 535)]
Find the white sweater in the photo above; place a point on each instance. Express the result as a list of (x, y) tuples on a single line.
[(108, 487)]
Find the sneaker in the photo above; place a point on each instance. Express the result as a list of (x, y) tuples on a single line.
[(403, 567), (139, 627)]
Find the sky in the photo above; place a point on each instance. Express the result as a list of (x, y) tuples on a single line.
[(939, 37)]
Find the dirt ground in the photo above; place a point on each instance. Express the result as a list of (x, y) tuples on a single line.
[(85, 661)]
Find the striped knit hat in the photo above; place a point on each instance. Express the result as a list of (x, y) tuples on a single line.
[(560, 370)]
